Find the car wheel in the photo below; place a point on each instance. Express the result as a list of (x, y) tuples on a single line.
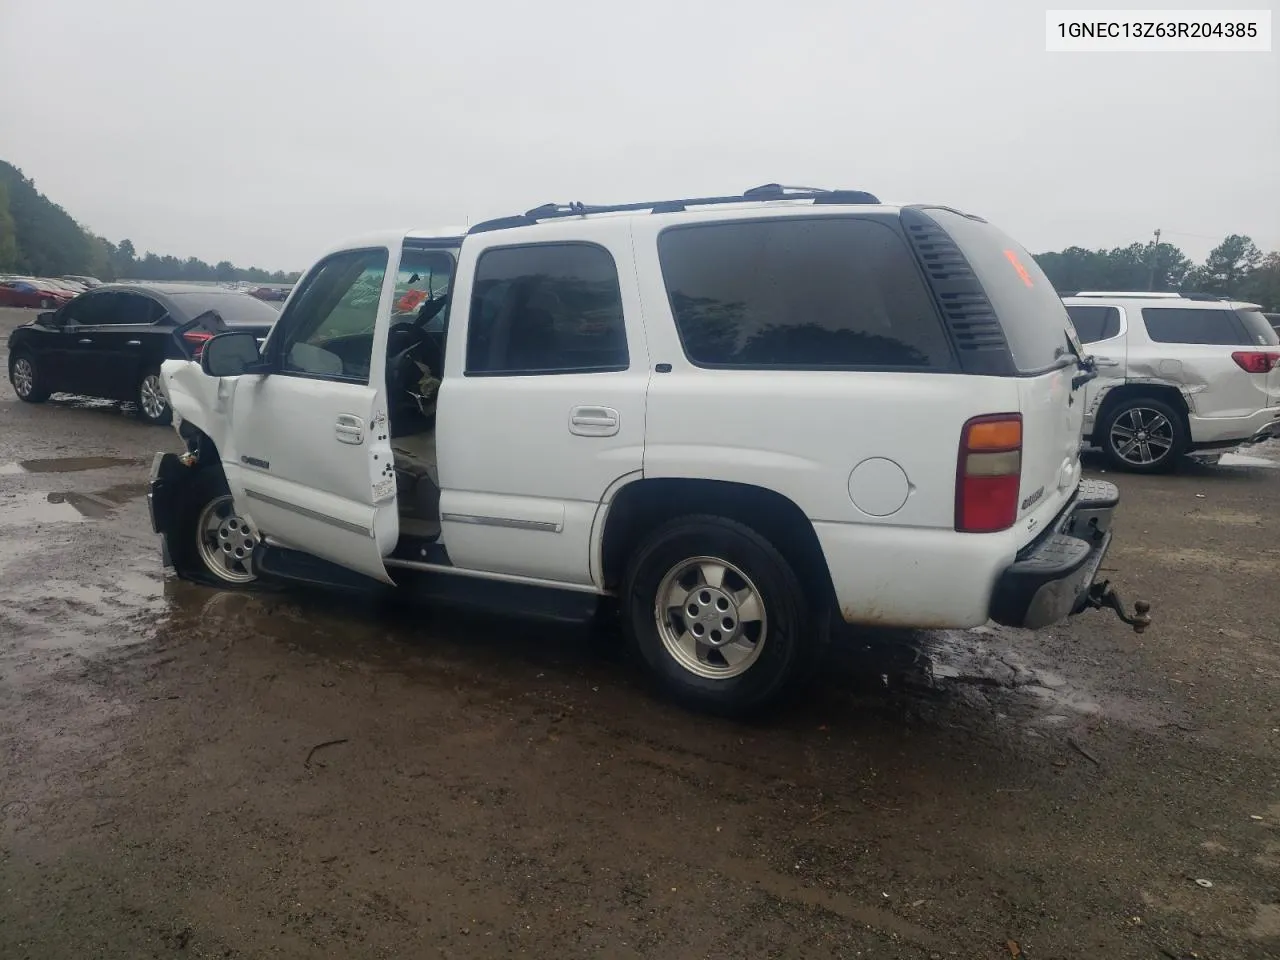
[(1144, 435), (45, 303), (209, 542), (24, 374), (153, 406), (718, 617)]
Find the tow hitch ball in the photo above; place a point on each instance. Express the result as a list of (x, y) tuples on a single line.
[(1102, 596)]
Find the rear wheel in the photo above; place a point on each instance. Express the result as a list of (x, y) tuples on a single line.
[(153, 407), (46, 303), (210, 543), (25, 376), (718, 616), (1144, 435)]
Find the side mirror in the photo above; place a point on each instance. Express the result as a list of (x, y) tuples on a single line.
[(231, 354), (46, 319)]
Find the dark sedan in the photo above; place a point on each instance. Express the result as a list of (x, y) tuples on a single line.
[(111, 341)]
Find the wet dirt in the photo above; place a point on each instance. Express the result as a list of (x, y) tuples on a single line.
[(249, 774)]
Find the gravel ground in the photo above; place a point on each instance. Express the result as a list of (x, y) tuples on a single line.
[(492, 788)]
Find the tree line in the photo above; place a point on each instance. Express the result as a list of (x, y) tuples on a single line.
[(39, 238)]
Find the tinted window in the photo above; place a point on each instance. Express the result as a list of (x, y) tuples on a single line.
[(235, 309), (1184, 325), (802, 293), (134, 309), (328, 331), (1258, 327), (1031, 314), (91, 309), (546, 308), (1095, 323)]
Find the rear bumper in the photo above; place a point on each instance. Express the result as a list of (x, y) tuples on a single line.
[(1050, 578), (1221, 431)]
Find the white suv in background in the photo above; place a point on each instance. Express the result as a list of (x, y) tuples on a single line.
[(731, 418), (1176, 374)]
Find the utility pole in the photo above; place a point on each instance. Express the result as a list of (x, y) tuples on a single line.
[(1155, 258)]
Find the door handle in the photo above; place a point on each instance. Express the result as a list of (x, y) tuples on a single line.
[(349, 429), (1103, 362), (593, 421), (85, 340), (135, 343)]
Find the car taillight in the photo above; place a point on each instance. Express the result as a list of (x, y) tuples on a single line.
[(989, 473), (197, 339), (1256, 361)]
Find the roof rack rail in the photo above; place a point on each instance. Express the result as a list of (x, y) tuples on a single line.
[(1138, 294), (767, 191)]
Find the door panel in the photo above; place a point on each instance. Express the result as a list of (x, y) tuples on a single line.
[(542, 407), (308, 455)]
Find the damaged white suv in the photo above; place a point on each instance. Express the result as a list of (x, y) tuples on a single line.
[(736, 420)]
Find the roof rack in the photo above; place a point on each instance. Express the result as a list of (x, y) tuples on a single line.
[(1148, 295), (768, 191)]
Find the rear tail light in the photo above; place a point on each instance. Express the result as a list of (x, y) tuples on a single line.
[(196, 339), (1256, 361), (989, 473)]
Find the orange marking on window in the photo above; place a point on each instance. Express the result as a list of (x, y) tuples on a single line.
[(1017, 265)]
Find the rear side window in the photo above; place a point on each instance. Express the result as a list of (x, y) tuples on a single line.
[(1095, 323), (1259, 328), (1031, 314), (804, 293), (546, 308), (1184, 325)]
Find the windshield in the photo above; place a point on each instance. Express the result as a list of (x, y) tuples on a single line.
[(1260, 330)]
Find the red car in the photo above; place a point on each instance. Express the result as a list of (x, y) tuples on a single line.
[(30, 293)]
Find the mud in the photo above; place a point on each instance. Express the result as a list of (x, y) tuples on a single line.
[(242, 774)]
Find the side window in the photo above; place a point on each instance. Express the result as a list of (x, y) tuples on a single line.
[(546, 308), (1095, 323), (425, 277), (803, 293), (133, 309), (328, 331), (1183, 325), (89, 310)]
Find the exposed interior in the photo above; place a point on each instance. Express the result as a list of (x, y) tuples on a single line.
[(415, 365)]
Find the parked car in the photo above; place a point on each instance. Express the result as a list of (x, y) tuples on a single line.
[(740, 419), (1177, 374), (32, 293), (270, 293), (1274, 320), (88, 282), (111, 341)]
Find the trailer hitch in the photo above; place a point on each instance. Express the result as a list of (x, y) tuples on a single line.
[(1103, 596)]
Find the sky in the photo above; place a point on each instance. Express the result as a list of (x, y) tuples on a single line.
[(264, 132)]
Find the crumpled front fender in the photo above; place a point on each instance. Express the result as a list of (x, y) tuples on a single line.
[(197, 398)]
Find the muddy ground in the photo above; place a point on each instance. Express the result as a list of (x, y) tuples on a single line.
[(492, 788)]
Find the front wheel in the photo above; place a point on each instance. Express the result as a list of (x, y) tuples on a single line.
[(153, 406), (718, 616), (209, 542), (27, 381), (1144, 435)]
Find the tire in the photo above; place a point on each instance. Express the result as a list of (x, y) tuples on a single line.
[(45, 303), (1158, 432), (759, 610), (206, 529), (24, 374), (152, 406)]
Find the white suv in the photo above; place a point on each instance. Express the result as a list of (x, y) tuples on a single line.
[(1177, 374), (731, 418)]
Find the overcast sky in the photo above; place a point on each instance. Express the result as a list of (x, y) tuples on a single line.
[(262, 132)]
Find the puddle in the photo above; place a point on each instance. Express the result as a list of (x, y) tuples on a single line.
[(65, 507), (68, 465)]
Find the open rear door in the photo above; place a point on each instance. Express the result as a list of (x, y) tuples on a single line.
[(307, 451)]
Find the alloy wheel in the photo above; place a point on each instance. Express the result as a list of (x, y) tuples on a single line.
[(711, 618), (1142, 436), (24, 377), (225, 541)]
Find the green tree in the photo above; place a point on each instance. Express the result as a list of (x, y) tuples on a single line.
[(1262, 285), (1226, 267), (9, 254), (49, 242)]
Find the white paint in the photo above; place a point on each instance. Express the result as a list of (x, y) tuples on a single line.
[(878, 487)]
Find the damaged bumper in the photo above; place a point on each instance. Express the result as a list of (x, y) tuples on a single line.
[(168, 472), (1054, 577)]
